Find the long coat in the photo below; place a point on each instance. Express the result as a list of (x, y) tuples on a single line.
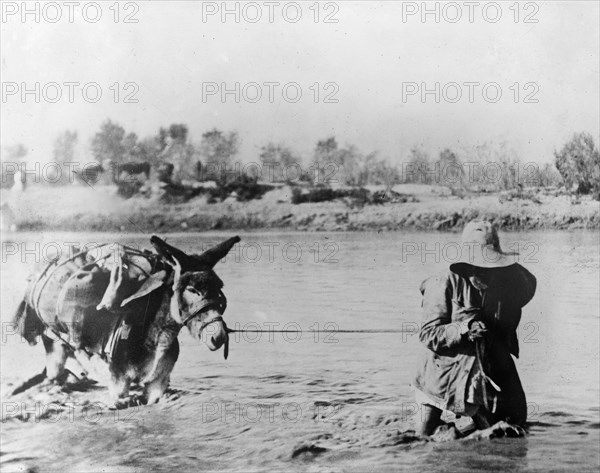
[(449, 371)]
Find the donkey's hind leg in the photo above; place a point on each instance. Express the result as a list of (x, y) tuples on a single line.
[(56, 357), (118, 384)]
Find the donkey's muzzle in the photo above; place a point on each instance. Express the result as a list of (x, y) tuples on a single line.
[(216, 335)]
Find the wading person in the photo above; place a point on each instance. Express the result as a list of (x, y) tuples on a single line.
[(469, 333)]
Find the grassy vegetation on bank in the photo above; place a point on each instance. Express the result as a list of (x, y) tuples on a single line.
[(85, 209)]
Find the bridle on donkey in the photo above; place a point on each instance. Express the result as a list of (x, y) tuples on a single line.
[(219, 304)]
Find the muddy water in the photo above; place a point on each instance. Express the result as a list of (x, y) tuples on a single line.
[(319, 402)]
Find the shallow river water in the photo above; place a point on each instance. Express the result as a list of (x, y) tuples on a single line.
[(323, 402)]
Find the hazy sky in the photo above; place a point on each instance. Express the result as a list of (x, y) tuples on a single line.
[(371, 54)]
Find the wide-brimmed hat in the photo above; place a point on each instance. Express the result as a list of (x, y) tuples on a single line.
[(481, 246)]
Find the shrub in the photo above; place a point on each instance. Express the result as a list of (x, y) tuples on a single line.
[(178, 193), (128, 188), (246, 188), (578, 162), (327, 194)]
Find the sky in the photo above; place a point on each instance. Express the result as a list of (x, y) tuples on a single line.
[(369, 68)]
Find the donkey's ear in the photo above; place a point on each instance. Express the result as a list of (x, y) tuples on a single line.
[(170, 253), (212, 256)]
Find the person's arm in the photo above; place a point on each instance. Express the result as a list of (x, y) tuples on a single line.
[(439, 332)]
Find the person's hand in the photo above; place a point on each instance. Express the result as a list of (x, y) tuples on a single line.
[(476, 331)]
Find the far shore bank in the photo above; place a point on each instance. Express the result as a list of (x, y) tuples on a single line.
[(80, 209)]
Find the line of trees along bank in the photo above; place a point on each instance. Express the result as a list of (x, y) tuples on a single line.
[(488, 167)]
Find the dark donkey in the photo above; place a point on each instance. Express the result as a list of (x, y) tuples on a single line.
[(126, 308)]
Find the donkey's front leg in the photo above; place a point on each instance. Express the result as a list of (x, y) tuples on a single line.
[(157, 380), (157, 388)]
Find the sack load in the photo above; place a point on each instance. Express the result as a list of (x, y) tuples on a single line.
[(82, 295)]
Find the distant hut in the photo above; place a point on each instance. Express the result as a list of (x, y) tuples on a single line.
[(7, 218)]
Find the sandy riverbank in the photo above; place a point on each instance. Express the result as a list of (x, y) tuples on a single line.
[(100, 209)]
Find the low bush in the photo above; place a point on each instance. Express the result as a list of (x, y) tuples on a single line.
[(243, 188), (357, 196), (327, 194), (246, 188), (128, 189), (178, 193)]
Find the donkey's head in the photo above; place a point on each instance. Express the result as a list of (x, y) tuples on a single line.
[(198, 301)]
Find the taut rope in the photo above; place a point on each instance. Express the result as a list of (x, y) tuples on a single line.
[(366, 330)]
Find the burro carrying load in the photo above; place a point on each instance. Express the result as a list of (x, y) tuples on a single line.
[(125, 307)]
